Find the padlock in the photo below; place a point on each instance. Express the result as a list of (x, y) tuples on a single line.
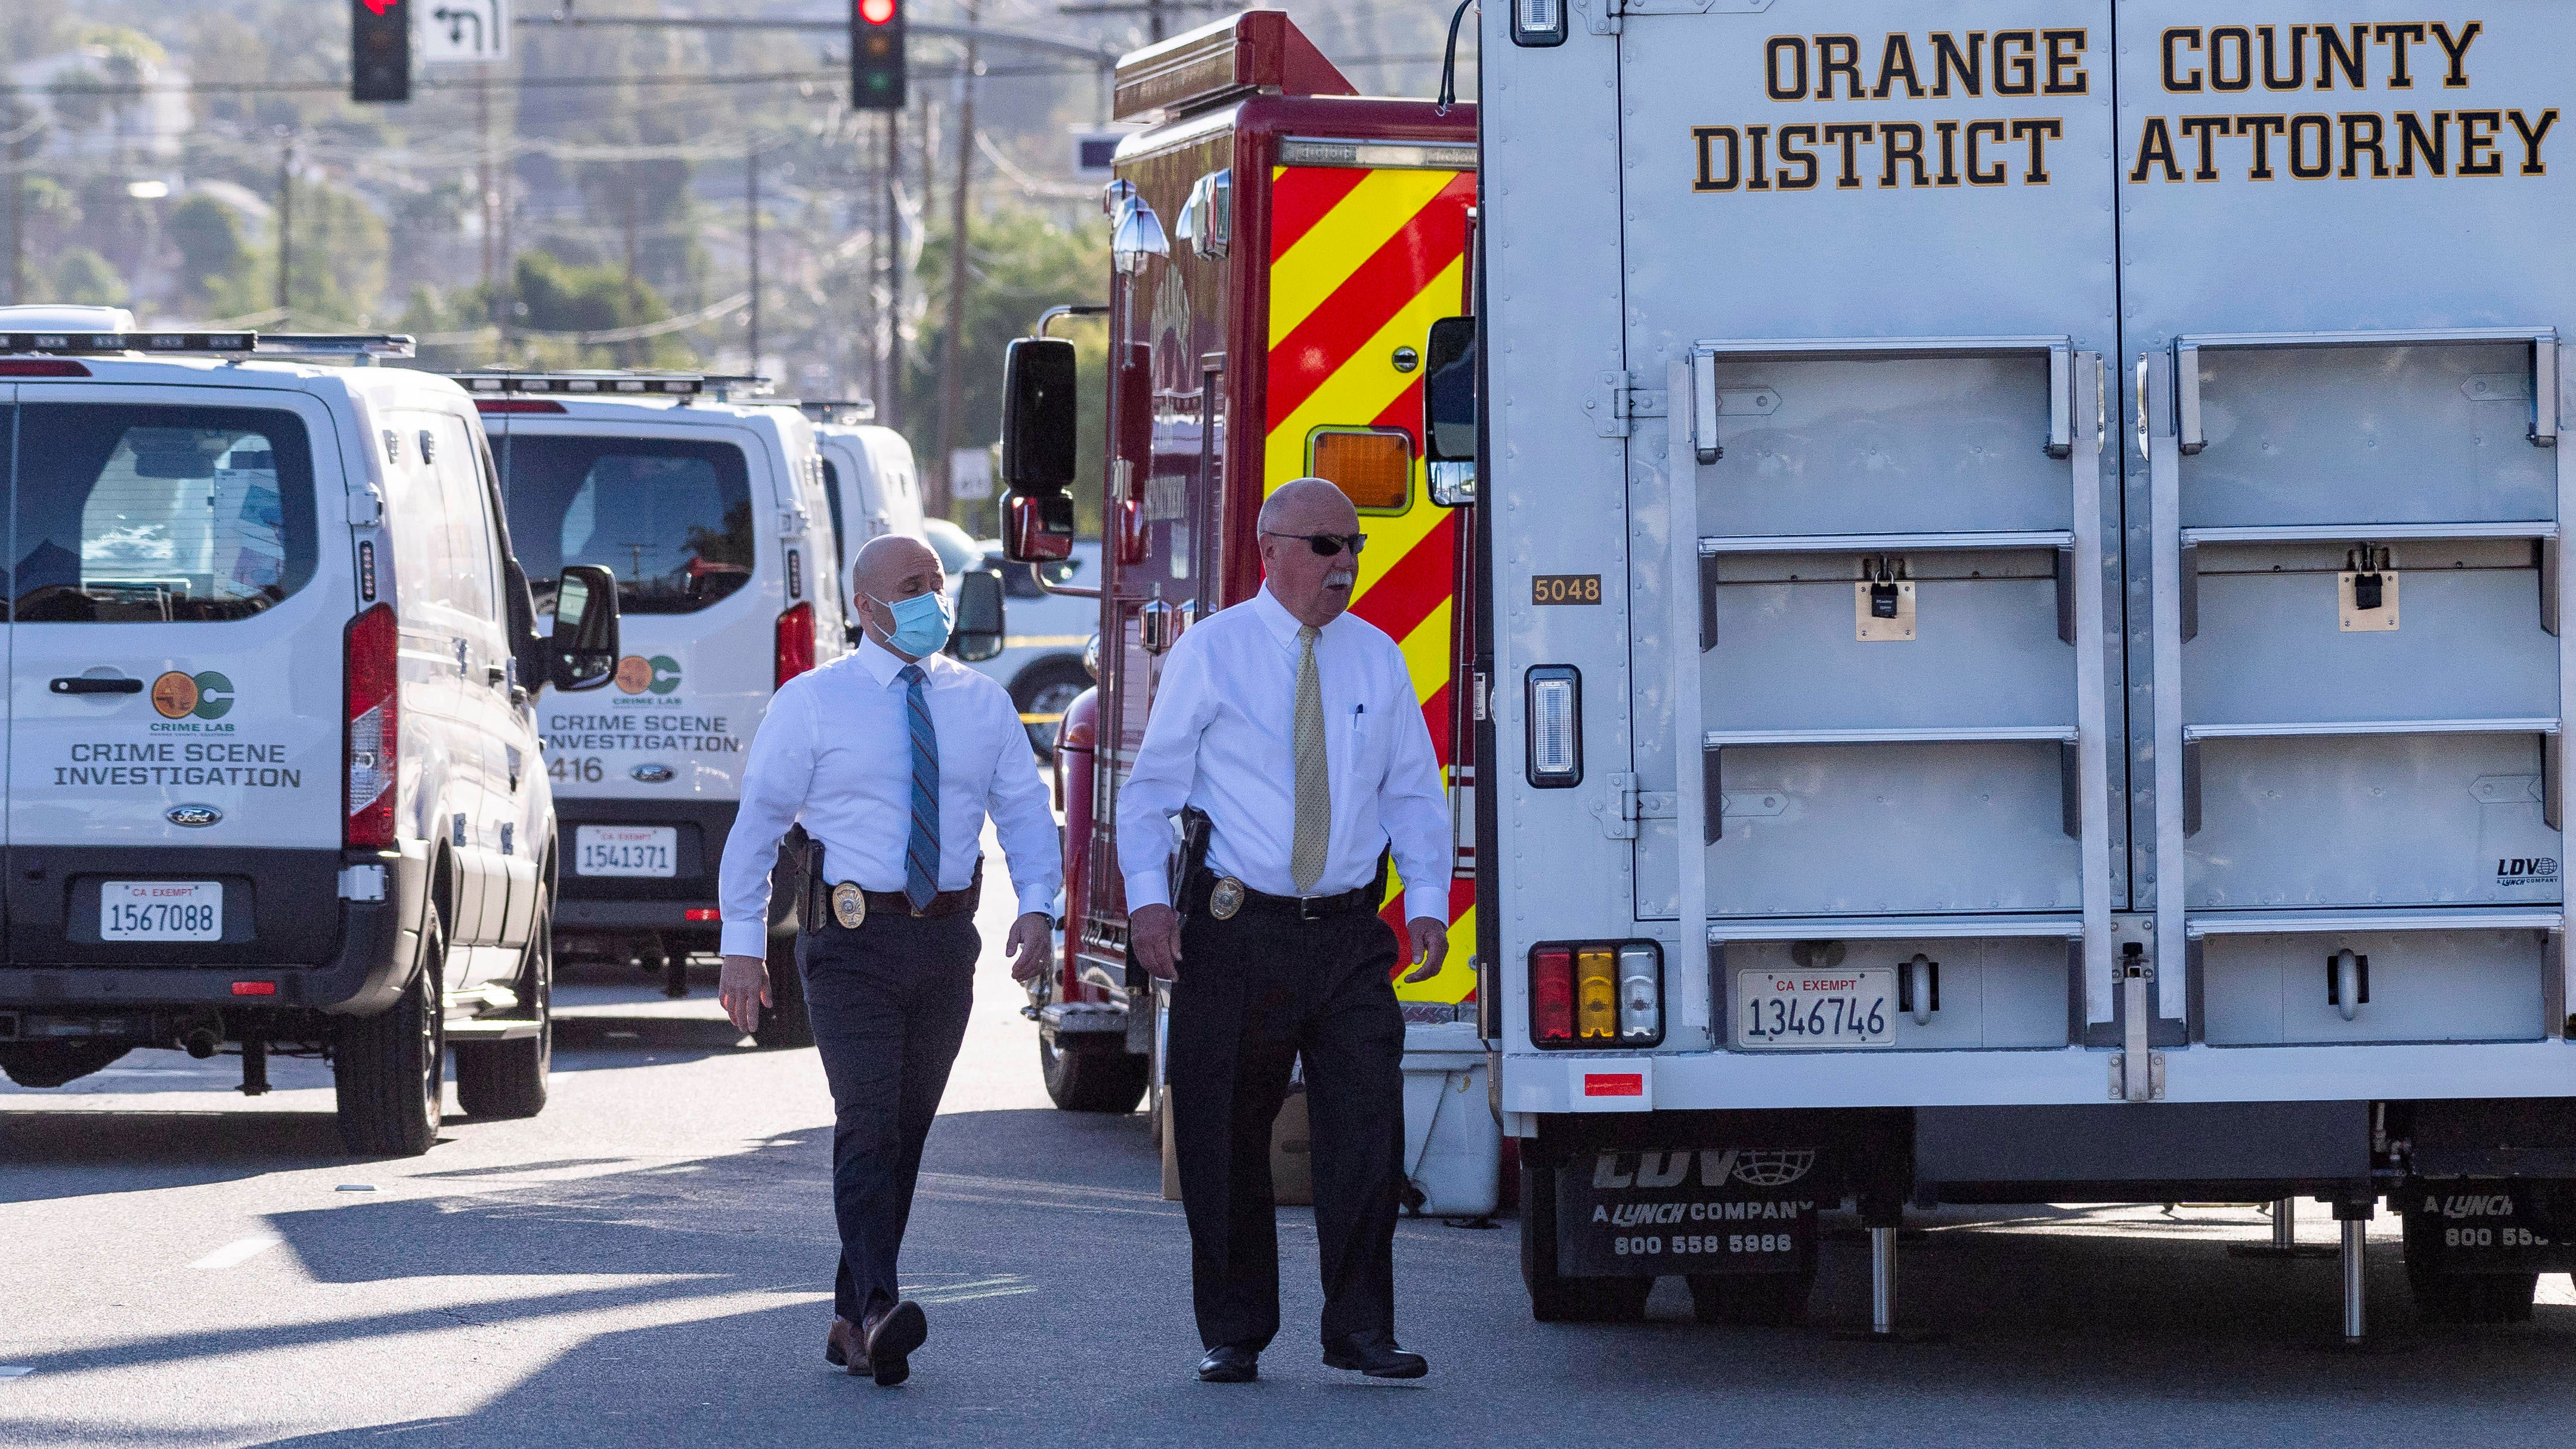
[(1882, 601)]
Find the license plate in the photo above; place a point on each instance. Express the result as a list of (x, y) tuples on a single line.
[(642, 850), (1806, 1010), (161, 910)]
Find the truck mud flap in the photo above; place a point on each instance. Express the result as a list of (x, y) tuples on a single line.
[(1626, 1213), (2471, 1226)]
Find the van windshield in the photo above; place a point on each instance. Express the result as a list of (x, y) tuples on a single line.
[(161, 515), (671, 518)]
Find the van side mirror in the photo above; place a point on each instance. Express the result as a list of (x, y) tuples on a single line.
[(978, 635), (1038, 428), (583, 652), (1449, 411)]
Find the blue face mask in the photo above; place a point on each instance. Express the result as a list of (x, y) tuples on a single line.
[(921, 623)]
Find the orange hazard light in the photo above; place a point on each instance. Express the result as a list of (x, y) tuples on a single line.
[(1374, 467)]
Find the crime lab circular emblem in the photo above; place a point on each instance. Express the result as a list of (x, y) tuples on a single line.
[(207, 696), (636, 674)]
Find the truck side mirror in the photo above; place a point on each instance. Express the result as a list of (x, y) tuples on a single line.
[(1449, 411), (583, 653), (1038, 449), (978, 635)]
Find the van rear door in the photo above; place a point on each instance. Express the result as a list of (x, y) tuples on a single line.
[(174, 683)]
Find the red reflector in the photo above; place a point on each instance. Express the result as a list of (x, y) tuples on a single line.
[(50, 367), (516, 405), (1614, 1084), (703, 913), (795, 643), (254, 988), (1551, 995), (371, 735)]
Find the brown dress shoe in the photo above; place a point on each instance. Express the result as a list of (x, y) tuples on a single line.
[(845, 1347), (892, 1334)]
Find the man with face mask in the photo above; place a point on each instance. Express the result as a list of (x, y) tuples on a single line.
[(1295, 728), (891, 757)]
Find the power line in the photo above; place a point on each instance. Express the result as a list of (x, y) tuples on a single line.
[(516, 83)]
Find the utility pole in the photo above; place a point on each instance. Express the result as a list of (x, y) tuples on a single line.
[(286, 229), (17, 224), (890, 399), (752, 228), (483, 168), (952, 379)]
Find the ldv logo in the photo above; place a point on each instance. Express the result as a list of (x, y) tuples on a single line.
[(2526, 870)]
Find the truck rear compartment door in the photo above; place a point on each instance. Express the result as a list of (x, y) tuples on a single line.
[(1875, 647)]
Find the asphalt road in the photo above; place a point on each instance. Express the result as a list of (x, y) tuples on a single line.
[(648, 1262)]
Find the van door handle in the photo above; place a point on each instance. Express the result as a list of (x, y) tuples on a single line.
[(85, 685)]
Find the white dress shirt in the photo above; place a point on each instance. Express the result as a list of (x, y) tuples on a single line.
[(836, 753), (1222, 737)]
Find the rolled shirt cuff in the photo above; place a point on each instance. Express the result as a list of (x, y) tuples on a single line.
[(1147, 888), (1431, 900), (745, 938)]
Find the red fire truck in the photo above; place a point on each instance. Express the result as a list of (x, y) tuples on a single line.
[(1282, 247)]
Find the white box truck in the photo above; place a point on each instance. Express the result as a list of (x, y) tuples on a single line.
[(1951, 475)]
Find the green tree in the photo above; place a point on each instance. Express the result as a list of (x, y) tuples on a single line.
[(83, 278), (1019, 264), (341, 249), (218, 268)]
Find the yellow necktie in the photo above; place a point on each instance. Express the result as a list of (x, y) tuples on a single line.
[(1314, 785)]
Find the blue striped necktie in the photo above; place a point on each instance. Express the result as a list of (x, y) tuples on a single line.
[(921, 852)]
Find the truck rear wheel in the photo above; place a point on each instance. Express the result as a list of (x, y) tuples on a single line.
[(783, 1022), (1555, 1298), (508, 1078), (1753, 1300), (387, 1068), (1092, 1072), (2472, 1297)]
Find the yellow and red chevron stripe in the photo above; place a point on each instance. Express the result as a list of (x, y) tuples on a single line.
[(1363, 262)]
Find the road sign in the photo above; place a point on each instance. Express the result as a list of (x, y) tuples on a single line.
[(461, 32), (970, 474)]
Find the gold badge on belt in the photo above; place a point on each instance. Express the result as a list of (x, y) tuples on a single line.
[(849, 905), (1225, 898)]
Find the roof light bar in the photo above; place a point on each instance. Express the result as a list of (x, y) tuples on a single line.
[(604, 384), (205, 344), (1376, 155)]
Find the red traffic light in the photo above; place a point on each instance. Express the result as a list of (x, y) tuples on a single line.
[(876, 12)]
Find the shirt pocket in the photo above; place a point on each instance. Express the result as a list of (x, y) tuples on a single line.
[(1369, 733)]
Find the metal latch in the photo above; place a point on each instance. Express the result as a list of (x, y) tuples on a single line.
[(362, 883), (1627, 805), (792, 522), (2135, 976), (2366, 590), (366, 507), (1622, 402)]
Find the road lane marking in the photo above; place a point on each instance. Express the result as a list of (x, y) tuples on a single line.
[(15, 1370), (233, 1255)]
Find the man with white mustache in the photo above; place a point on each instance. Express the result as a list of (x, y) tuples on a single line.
[(1295, 728)]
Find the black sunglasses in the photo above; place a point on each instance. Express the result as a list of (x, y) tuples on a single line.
[(1326, 545)]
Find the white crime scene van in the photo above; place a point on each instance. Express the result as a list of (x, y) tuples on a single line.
[(274, 776), (870, 481), (707, 505)]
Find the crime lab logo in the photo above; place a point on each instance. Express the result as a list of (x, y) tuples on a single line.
[(636, 674), (1717, 1167), (207, 696), (2526, 870)]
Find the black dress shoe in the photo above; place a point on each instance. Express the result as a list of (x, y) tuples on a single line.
[(1376, 1355), (1230, 1363), (891, 1338)]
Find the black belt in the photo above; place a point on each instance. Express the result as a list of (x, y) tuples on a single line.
[(1364, 899), (818, 896)]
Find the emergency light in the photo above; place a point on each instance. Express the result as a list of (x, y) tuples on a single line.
[(1538, 22), (1554, 719), (208, 344)]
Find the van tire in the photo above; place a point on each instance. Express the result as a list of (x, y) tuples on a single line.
[(783, 1022), (497, 1079), (1047, 687), (388, 1066), (1750, 1300), (1555, 1298), (1097, 1076)]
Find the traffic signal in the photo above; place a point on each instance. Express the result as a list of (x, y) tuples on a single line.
[(380, 50), (876, 55)]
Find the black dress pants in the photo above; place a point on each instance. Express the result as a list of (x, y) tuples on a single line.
[(889, 1003), (1255, 994)]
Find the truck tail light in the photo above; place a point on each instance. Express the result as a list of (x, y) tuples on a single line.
[(795, 642), (1552, 996), (1555, 722), (1641, 994), (1596, 995), (371, 733)]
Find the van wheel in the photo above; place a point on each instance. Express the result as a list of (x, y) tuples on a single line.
[(508, 1078), (1049, 687), (1555, 1298), (1096, 1076), (388, 1065), (783, 1023), (1764, 1300)]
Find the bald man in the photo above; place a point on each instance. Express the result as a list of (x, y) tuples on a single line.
[(1295, 727), (890, 756)]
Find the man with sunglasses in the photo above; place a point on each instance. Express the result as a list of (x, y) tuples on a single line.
[(1295, 728)]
